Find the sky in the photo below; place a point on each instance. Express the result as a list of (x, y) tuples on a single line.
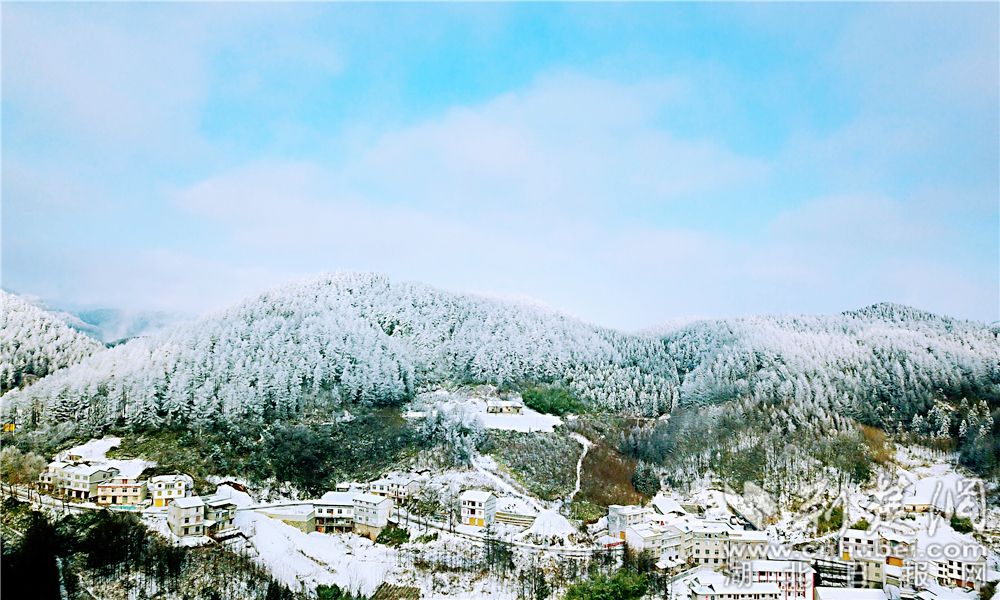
[(629, 164)]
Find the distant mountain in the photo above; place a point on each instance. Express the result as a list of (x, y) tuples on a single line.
[(113, 326), (34, 343)]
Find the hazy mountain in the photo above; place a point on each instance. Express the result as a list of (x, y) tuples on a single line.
[(34, 343)]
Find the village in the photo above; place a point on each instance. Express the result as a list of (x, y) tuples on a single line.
[(708, 549)]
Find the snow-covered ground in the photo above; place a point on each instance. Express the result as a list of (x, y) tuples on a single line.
[(97, 450), (475, 405)]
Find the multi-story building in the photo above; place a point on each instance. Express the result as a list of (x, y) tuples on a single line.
[(121, 491), (220, 512), (477, 507), (706, 542), (621, 517), (186, 516), (397, 487), (164, 489), (794, 578), (371, 514), (75, 480), (335, 512)]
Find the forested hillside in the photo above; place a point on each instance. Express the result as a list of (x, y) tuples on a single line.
[(348, 339), (751, 388), (33, 343), (738, 390)]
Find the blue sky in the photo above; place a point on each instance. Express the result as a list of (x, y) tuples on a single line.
[(627, 163)]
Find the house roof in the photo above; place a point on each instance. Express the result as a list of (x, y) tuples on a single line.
[(172, 478), (665, 505), (89, 470), (476, 495), (337, 499), (775, 566), (189, 502), (371, 499)]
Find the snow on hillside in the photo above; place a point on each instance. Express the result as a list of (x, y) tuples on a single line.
[(351, 338), (96, 451), (34, 343), (474, 407), (885, 362)]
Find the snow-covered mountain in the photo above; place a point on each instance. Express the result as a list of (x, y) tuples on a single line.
[(883, 364), (33, 343), (350, 338), (359, 338), (112, 326)]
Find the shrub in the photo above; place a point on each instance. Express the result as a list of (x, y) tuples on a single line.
[(552, 400), (622, 586), (863, 525), (393, 536), (961, 524)]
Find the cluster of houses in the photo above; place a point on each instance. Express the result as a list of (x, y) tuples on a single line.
[(888, 556), (892, 554), (90, 481)]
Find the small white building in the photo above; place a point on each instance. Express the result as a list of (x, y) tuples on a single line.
[(186, 516), (794, 578), (371, 514), (478, 507), (398, 487), (506, 407), (166, 488)]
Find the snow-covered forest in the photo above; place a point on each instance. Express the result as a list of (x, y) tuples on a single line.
[(358, 339), (33, 343)]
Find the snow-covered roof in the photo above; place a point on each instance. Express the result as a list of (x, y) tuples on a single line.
[(337, 499), (370, 499), (88, 470), (747, 535), (303, 511), (505, 403), (666, 506), (171, 478), (476, 495), (832, 593), (189, 502), (780, 566), (627, 509), (724, 587)]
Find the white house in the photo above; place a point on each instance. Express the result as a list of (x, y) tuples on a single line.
[(794, 578), (621, 517), (371, 514), (335, 511), (478, 507), (166, 488), (186, 516), (398, 487), (507, 407)]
